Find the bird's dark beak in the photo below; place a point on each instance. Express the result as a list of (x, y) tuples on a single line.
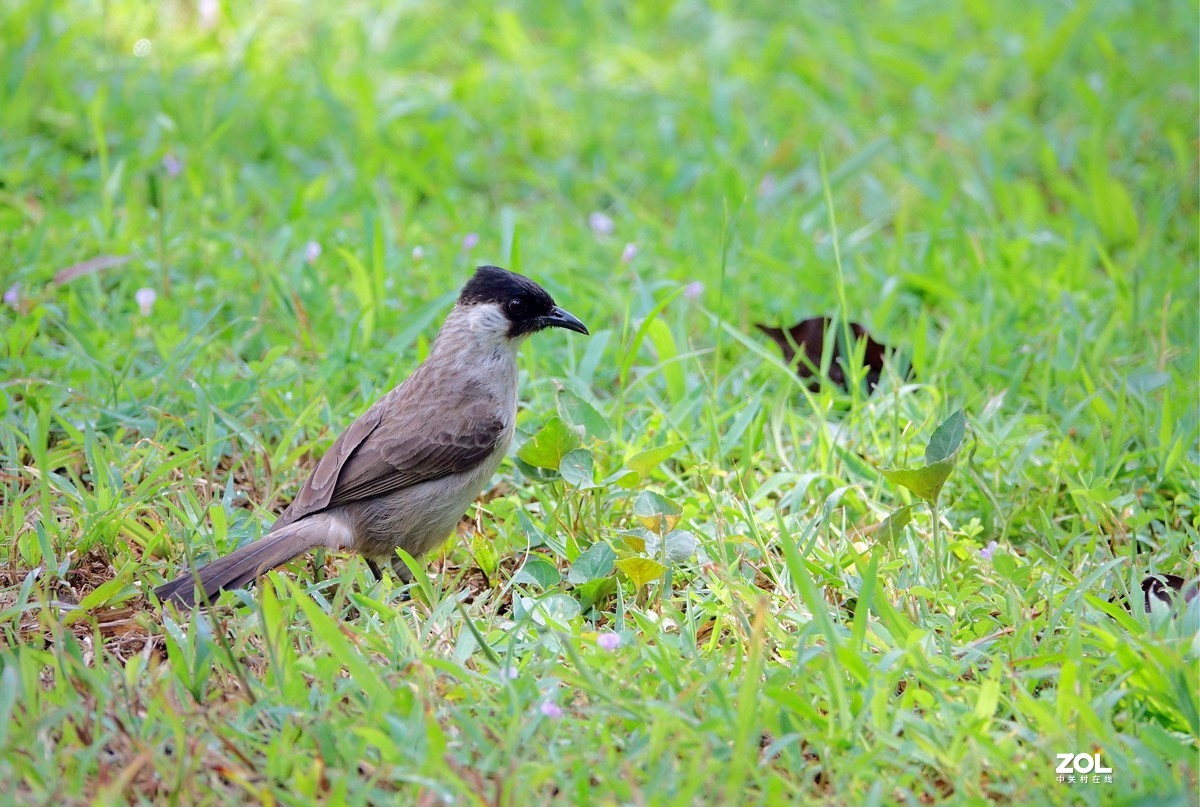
[(563, 319)]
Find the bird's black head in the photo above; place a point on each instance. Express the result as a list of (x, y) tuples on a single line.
[(526, 305)]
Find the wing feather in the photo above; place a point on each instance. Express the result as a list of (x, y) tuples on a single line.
[(406, 438)]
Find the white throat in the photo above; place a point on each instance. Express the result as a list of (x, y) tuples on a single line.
[(473, 346), (478, 332)]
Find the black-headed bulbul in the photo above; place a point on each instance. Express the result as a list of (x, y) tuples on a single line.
[(404, 473)]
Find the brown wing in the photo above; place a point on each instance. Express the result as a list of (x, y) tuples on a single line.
[(404, 439)]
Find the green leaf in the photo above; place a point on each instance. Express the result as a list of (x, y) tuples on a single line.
[(483, 549), (548, 447), (538, 571), (641, 570), (635, 540), (576, 468), (595, 563), (926, 482), (623, 478), (1005, 565), (329, 632), (946, 438), (648, 460), (593, 591), (555, 608), (578, 412), (656, 512), (535, 473), (680, 545), (893, 526), (107, 593), (360, 282), (664, 345), (989, 698), (10, 685)]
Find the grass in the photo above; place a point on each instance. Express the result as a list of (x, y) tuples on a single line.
[(1015, 198)]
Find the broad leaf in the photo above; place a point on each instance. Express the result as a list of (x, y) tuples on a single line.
[(558, 609), (548, 447), (1005, 565), (635, 539), (107, 593), (593, 564), (680, 545), (946, 438), (593, 591), (641, 570), (656, 512), (648, 460), (623, 478), (578, 412), (539, 571), (577, 469), (926, 482)]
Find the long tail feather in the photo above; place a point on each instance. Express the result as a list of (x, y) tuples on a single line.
[(242, 567)]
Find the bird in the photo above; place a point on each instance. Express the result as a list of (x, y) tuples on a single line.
[(404, 472)]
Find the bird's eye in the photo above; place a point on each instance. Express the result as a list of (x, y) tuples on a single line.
[(516, 307)]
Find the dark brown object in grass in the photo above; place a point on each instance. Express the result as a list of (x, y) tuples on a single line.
[(803, 346), (1166, 587)]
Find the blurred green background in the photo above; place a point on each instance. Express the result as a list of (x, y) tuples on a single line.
[(1005, 192)]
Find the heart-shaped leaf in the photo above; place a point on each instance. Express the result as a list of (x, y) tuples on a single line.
[(593, 591), (593, 564), (926, 482), (578, 412), (656, 512), (641, 570), (539, 571), (551, 443), (634, 539), (940, 455), (558, 609), (680, 545), (577, 469)]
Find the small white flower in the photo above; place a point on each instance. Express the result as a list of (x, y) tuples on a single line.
[(418, 253), (209, 11), (509, 674), (145, 298), (608, 641), (551, 710), (470, 241), (12, 297), (629, 253), (312, 251), (601, 223), (693, 290)]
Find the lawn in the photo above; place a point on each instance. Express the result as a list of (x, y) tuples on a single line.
[(227, 228)]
